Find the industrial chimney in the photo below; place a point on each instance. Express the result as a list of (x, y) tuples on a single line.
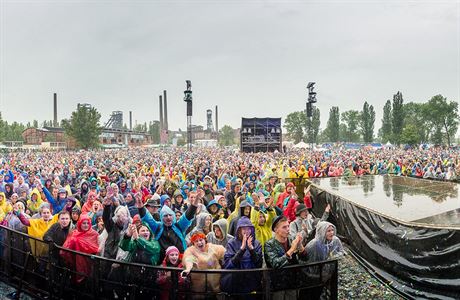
[(217, 125), (55, 119), (166, 111), (209, 120), (130, 120), (161, 113)]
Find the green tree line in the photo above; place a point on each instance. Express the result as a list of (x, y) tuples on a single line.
[(435, 121)]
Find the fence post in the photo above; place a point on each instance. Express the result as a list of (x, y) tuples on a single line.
[(8, 254), (335, 281), (96, 276), (267, 285), (52, 266), (175, 286)]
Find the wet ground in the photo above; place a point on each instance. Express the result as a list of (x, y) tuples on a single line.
[(356, 283)]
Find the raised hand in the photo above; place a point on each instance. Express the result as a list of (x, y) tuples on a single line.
[(139, 203), (249, 242), (243, 245)]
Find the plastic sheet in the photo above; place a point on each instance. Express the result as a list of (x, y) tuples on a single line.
[(419, 261)]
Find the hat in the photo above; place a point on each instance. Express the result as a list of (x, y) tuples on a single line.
[(277, 220), (153, 202), (62, 190), (155, 197), (300, 208), (290, 184), (214, 202), (171, 249)]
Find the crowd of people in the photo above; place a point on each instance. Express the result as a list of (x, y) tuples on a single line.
[(202, 210)]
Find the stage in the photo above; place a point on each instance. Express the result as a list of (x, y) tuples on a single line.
[(404, 198), (406, 230)]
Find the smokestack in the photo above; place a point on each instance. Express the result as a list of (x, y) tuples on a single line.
[(55, 120), (130, 120), (161, 113), (166, 110), (217, 125)]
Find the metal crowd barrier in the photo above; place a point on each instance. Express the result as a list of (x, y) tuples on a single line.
[(38, 268)]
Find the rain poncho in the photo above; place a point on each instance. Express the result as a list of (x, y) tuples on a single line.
[(319, 248), (81, 241), (235, 258), (200, 225), (263, 232), (141, 251), (5, 207), (223, 225), (203, 260), (34, 205)]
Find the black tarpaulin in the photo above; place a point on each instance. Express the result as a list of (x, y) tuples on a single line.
[(421, 261)]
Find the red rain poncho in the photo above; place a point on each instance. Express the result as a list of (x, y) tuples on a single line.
[(81, 241)]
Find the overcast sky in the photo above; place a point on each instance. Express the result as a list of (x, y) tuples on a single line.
[(251, 58)]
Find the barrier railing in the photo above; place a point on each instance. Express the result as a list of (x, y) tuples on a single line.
[(37, 267)]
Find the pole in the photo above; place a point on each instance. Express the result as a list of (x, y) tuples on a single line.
[(188, 99)]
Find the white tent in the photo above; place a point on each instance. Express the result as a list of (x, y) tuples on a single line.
[(301, 145)]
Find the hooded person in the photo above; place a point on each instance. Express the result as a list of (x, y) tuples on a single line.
[(218, 235), (277, 191), (244, 210), (325, 245), (75, 215), (203, 224), (284, 197), (178, 202), (215, 209), (84, 189), (116, 221), (9, 190), (262, 216), (87, 207), (83, 239), (169, 231), (141, 245), (5, 206), (243, 252), (35, 201)]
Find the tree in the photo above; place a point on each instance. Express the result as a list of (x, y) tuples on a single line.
[(226, 136), (416, 128), (351, 120), (410, 134), (295, 123), (397, 120), (154, 130), (367, 123), (386, 131), (312, 126), (84, 127), (333, 123), (443, 116)]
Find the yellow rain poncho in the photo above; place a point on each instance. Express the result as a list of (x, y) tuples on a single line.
[(34, 205)]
